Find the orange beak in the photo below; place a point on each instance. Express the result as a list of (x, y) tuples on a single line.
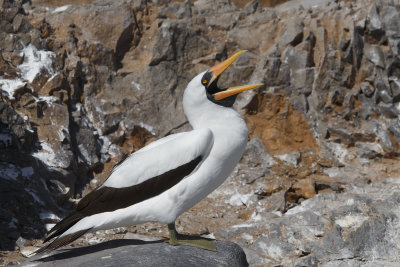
[(221, 67), (235, 90), (218, 69)]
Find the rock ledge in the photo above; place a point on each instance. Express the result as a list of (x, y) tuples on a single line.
[(139, 253)]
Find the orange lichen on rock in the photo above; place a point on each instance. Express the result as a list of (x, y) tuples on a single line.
[(279, 125)]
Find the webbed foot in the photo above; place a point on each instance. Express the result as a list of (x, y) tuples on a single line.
[(199, 242)]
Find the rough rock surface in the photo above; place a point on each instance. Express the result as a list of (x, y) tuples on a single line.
[(85, 82), (139, 253)]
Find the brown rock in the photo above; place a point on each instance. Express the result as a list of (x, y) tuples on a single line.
[(55, 83), (305, 188), (278, 125), (21, 24), (52, 131), (100, 22), (40, 80), (10, 9), (8, 70)]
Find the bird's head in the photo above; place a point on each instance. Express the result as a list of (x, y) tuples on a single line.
[(205, 85)]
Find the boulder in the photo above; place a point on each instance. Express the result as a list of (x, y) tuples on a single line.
[(140, 253)]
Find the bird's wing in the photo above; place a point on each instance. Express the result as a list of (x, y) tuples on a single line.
[(146, 161), (159, 157), (145, 174)]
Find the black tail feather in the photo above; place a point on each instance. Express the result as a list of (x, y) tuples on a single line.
[(63, 226), (61, 241), (58, 230)]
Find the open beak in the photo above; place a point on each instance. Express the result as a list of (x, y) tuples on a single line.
[(218, 69)]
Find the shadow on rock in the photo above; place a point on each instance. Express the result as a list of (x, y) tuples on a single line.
[(68, 253)]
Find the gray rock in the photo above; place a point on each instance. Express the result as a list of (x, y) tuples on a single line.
[(256, 161), (334, 231), (292, 158), (300, 103), (391, 20), (385, 139), (20, 188), (274, 248), (89, 147), (21, 242), (297, 59), (6, 27), (395, 88), (17, 125), (384, 95), (358, 47), (165, 49), (394, 127), (252, 7), (293, 33), (181, 10), (374, 23), (389, 111), (368, 106), (281, 79), (367, 89), (255, 258), (374, 54), (223, 21), (393, 70), (21, 24), (302, 80), (368, 151), (210, 7), (139, 253), (374, 19), (10, 9), (371, 236), (383, 87), (9, 42)]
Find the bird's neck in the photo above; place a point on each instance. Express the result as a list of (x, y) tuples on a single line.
[(229, 129), (217, 119)]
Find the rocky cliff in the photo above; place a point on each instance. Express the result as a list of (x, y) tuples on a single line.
[(85, 82)]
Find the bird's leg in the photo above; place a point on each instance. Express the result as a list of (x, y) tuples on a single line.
[(199, 242), (173, 238)]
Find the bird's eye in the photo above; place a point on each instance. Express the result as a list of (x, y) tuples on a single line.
[(204, 81)]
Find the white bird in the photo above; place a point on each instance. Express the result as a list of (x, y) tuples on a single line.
[(167, 177)]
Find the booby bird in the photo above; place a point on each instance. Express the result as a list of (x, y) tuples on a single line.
[(167, 177)]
